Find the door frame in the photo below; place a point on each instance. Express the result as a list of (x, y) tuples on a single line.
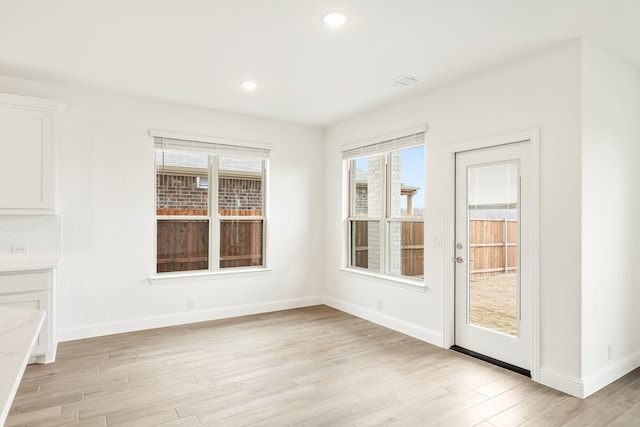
[(533, 137)]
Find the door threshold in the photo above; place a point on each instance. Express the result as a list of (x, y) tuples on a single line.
[(500, 363)]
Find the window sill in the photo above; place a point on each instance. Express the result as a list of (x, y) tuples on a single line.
[(180, 277), (401, 282)]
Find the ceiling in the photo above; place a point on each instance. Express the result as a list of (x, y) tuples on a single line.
[(198, 52)]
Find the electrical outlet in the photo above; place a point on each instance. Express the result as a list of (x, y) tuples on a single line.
[(379, 305), (610, 352), (191, 303), (20, 249)]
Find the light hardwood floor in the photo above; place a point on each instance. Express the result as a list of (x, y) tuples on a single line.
[(306, 367)]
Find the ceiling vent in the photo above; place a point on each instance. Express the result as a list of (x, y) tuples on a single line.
[(403, 80)]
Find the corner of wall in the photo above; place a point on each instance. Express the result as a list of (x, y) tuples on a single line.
[(610, 107), (399, 325)]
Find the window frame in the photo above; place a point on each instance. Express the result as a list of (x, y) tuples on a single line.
[(214, 148), (241, 218), (383, 146)]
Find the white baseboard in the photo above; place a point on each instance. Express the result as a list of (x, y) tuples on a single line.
[(191, 316), (579, 387), (605, 376), (561, 382), (584, 387), (382, 319)]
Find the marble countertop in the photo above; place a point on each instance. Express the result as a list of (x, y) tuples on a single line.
[(19, 328)]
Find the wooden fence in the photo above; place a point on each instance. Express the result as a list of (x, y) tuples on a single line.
[(183, 244), (412, 247), (360, 244), (493, 246), (240, 243)]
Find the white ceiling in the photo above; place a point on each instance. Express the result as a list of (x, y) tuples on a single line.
[(198, 52)]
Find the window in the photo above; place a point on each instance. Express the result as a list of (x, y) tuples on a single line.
[(202, 182), (386, 207), (210, 206)]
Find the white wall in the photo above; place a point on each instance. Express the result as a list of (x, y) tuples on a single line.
[(610, 208), (105, 196), (542, 91)]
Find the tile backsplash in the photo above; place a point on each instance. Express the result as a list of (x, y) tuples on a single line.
[(41, 235)]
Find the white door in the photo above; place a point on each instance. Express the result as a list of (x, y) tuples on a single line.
[(493, 254)]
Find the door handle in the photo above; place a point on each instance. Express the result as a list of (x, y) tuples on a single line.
[(459, 260)]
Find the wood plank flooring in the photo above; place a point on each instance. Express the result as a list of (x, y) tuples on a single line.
[(314, 366)]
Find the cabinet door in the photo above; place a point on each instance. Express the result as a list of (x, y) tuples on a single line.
[(25, 281), (25, 164), (27, 137), (34, 300)]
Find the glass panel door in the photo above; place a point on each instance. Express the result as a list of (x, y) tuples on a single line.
[(492, 215), (493, 258)]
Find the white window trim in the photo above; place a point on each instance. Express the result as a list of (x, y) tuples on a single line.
[(389, 279), (348, 156), (185, 276), (198, 143)]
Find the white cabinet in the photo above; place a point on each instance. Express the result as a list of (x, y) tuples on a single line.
[(28, 140), (33, 289), (28, 132)]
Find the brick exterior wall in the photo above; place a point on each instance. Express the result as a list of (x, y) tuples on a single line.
[(369, 200), (374, 200), (362, 200), (240, 194), (394, 243), (178, 192)]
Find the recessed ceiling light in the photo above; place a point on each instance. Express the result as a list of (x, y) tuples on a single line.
[(335, 19), (249, 85)]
